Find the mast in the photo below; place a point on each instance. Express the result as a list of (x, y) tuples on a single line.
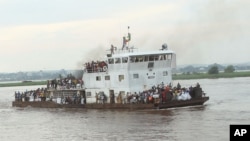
[(126, 40), (129, 36)]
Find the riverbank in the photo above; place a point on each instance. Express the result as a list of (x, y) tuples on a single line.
[(210, 76), (175, 77), (26, 83)]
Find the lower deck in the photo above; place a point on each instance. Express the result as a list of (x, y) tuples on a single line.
[(128, 106)]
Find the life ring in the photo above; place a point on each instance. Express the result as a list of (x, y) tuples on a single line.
[(105, 68)]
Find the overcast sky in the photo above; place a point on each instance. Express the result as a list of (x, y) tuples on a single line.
[(63, 34)]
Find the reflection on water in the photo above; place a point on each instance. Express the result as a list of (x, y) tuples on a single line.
[(227, 105)]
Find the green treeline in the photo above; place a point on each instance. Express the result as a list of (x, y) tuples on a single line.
[(175, 77), (213, 72), (23, 84), (209, 76)]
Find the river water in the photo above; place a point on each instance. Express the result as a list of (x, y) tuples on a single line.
[(228, 104)]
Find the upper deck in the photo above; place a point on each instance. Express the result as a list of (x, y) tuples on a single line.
[(129, 70), (130, 57), (135, 52)]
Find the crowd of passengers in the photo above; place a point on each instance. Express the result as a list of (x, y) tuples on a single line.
[(98, 66), (157, 94), (66, 83), (162, 94), (41, 94)]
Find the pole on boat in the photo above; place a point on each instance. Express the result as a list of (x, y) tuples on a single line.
[(126, 40), (129, 36)]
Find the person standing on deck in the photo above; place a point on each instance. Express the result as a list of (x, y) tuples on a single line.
[(69, 83), (178, 86), (126, 40), (112, 49)]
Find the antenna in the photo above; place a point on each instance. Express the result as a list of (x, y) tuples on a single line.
[(126, 40), (129, 36)]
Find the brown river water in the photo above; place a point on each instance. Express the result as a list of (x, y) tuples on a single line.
[(229, 104)]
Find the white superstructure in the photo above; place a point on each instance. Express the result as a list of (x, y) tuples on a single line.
[(128, 70)]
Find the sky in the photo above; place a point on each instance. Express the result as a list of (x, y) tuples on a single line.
[(64, 34)]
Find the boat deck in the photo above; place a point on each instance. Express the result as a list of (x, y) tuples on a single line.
[(135, 106)]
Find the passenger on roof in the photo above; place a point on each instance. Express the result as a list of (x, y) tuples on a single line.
[(112, 49)]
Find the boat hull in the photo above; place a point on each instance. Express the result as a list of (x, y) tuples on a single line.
[(138, 106), (183, 103)]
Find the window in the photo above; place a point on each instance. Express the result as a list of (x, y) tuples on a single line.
[(146, 59), (156, 57), (150, 64), (165, 73), (136, 59), (121, 77), (125, 60), (169, 56), (117, 60), (162, 57), (136, 76), (107, 77), (132, 59), (151, 58), (88, 94), (141, 58), (111, 61), (122, 93), (151, 77), (98, 78)]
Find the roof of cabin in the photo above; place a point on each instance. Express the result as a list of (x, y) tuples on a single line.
[(137, 53)]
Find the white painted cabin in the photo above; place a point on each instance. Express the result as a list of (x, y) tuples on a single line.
[(129, 71)]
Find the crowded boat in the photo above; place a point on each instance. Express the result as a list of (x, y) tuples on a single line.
[(157, 94), (125, 76)]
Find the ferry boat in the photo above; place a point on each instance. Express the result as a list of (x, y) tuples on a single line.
[(125, 77), (128, 71)]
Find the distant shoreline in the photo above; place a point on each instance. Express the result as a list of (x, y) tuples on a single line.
[(210, 76), (175, 77), (23, 83)]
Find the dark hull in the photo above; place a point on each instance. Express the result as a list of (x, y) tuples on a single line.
[(172, 104), (193, 102)]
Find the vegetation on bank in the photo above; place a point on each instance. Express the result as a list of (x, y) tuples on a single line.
[(210, 76), (30, 83), (213, 72), (175, 77)]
